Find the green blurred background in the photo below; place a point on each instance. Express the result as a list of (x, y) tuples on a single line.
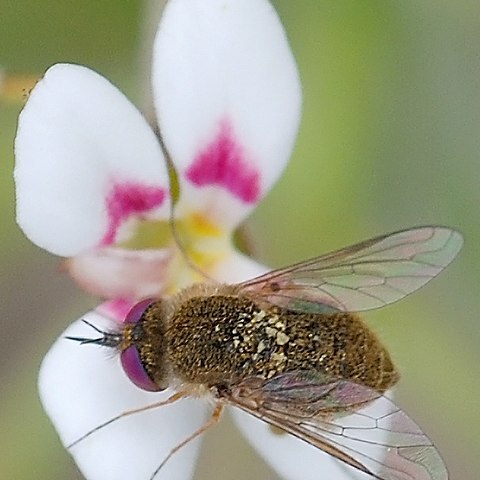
[(389, 139)]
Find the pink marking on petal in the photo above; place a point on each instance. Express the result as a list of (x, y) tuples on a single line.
[(223, 163), (126, 200), (117, 309)]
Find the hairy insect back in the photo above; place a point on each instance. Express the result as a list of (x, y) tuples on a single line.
[(225, 337)]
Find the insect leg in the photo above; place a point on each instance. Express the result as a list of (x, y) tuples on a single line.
[(213, 420), (173, 398)]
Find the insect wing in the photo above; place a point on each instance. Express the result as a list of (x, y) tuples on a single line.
[(364, 276), (350, 422)]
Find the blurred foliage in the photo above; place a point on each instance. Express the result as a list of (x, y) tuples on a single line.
[(389, 139)]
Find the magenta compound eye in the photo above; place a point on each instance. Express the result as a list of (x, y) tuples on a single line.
[(131, 357), (136, 372), (136, 312)]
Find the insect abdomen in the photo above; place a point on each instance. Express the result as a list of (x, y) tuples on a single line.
[(339, 344), (226, 338)]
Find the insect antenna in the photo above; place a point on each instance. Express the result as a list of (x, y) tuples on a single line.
[(174, 186), (108, 339)]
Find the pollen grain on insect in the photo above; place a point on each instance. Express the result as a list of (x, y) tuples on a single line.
[(273, 319), (261, 346), (282, 338), (258, 316), (278, 358), (271, 332)]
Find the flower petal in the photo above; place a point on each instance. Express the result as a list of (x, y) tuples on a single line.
[(237, 267), (120, 273), (86, 162), (291, 458), (228, 98), (82, 386)]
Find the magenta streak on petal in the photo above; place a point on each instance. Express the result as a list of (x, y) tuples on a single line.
[(126, 200), (223, 163)]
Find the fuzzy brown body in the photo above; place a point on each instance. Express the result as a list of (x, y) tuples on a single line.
[(213, 336)]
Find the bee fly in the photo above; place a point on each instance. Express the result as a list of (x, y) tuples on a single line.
[(287, 348)]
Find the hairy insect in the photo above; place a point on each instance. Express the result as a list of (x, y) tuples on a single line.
[(287, 348)]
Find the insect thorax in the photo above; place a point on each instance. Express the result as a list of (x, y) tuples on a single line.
[(226, 338)]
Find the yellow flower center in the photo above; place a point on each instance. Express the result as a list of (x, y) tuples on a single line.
[(200, 245), (203, 245)]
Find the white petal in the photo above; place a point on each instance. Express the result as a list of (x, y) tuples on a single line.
[(82, 386), (237, 267), (86, 162), (291, 458), (228, 99), (120, 273)]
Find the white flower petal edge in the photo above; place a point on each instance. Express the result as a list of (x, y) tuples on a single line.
[(228, 100), (291, 458), (86, 162), (120, 273), (237, 267), (82, 386)]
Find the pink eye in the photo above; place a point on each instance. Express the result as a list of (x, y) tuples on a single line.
[(133, 367), (130, 357), (136, 312)]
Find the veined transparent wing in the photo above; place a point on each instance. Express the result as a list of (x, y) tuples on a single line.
[(354, 424), (364, 276)]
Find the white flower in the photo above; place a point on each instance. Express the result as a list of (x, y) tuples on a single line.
[(91, 178)]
